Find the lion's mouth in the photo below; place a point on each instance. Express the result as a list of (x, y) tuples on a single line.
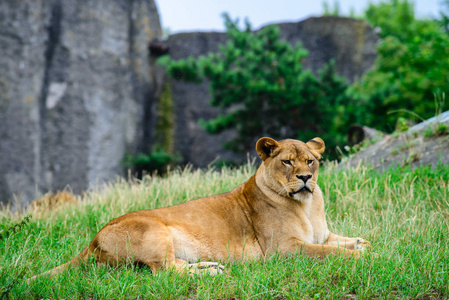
[(305, 188)]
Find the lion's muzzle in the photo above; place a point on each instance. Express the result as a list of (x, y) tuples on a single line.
[(306, 188)]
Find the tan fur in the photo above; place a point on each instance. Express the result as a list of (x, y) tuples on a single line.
[(275, 210)]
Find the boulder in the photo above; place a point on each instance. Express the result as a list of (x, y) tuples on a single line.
[(426, 143)]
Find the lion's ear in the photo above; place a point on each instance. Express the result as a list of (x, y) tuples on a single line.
[(265, 147), (316, 145)]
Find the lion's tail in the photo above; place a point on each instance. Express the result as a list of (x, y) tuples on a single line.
[(77, 260)]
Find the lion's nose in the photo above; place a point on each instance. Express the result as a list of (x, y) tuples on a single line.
[(304, 177)]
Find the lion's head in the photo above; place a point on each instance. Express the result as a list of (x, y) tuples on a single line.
[(290, 167)]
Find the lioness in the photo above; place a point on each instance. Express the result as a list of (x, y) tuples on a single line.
[(280, 208)]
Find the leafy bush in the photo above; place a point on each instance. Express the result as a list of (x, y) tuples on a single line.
[(411, 67), (154, 161)]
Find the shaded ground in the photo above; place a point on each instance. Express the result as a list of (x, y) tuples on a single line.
[(423, 144)]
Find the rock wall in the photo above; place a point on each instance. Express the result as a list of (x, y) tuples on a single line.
[(351, 43), (191, 102), (76, 92)]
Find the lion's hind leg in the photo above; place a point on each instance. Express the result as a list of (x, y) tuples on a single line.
[(146, 242), (156, 250)]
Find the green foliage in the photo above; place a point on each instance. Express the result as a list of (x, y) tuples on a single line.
[(402, 124), (164, 136), (161, 156), (395, 18), (12, 229), (335, 109), (186, 69), (436, 129), (4, 291), (261, 82), (360, 146), (154, 161), (331, 11), (413, 57)]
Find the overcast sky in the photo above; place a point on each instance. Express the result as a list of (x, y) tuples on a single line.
[(205, 15)]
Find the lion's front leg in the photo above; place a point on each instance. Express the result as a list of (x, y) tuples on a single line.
[(296, 246), (347, 242)]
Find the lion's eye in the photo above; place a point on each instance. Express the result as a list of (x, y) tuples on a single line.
[(287, 162), (309, 161)]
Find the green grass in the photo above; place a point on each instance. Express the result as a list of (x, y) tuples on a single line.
[(403, 212), (436, 129)]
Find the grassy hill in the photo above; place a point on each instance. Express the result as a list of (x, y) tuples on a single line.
[(403, 212)]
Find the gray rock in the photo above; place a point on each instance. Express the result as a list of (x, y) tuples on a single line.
[(23, 39), (79, 104), (191, 102), (414, 147), (350, 42)]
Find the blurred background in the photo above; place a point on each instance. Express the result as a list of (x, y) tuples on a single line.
[(91, 90)]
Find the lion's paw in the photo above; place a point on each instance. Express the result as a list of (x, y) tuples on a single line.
[(211, 268), (363, 245)]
